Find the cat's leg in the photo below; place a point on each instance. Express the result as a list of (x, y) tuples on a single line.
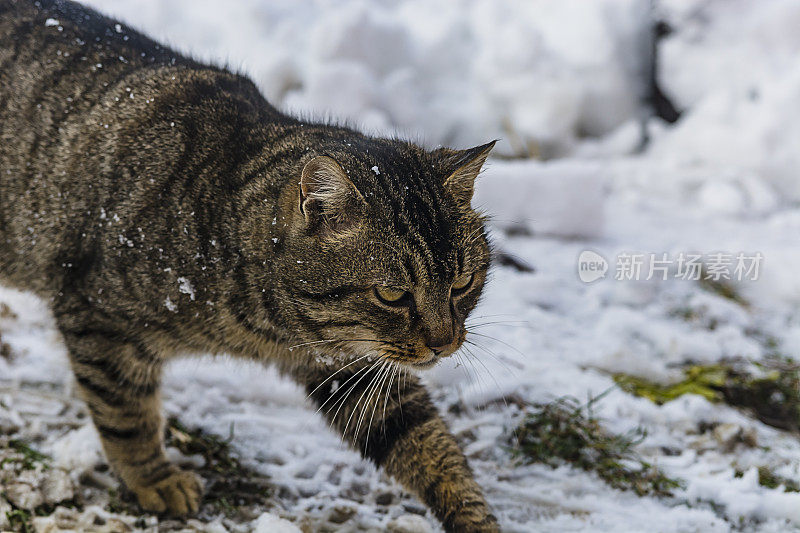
[(401, 431), (119, 379)]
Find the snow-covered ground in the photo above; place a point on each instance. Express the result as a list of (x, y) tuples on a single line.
[(565, 81)]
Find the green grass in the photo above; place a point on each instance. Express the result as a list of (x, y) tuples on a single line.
[(25, 457), (770, 389), (568, 432), (706, 381), (20, 520)]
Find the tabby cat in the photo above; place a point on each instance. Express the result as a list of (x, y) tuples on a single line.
[(163, 207)]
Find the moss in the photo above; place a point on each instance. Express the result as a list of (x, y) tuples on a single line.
[(770, 389), (702, 380), (567, 432), (769, 479)]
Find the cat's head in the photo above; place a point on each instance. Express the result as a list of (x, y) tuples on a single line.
[(384, 253)]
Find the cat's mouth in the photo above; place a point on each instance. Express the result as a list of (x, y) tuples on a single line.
[(416, 359), (418, 363), (424, 365)]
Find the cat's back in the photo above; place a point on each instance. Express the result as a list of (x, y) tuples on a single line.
[(32, 30), (57, 56), (59, 64), (58, 60), (94, 114)]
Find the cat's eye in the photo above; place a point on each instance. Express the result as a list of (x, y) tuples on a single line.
[(462, 283), (391, 296)]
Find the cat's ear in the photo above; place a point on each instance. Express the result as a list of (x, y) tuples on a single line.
[(328, 199), (467, 165)]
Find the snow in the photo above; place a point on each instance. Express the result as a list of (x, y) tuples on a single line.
[(559, 198), (563, 81), (736, 64), (269, 523), (186, 287)]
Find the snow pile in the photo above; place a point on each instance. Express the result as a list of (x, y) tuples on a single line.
[(735, 66), (536, 74), (720, 45)]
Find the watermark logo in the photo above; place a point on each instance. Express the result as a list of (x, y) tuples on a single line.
[(638, 266), (591, 266)]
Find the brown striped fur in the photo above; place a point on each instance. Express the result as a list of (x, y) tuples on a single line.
[(164, 207)]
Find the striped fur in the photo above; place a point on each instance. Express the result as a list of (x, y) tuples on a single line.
[(164, 207)]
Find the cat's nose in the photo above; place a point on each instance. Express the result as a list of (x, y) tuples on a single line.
[(438, 346)]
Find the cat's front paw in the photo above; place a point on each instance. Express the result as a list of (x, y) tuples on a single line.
[(487, 525), (177, 495), (472, 521)]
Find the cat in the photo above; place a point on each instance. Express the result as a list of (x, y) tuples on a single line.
[(163, 207)]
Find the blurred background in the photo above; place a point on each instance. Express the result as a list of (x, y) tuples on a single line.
[(598, 395)]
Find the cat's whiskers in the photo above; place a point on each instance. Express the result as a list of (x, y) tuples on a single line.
[(461, 364), (333, 394), (336, 372), (504, 343), (511, 323), (368, 392), (386, 397), (327, 341), (368, 368), (464, 367), (501, 359), (505, 361), (350, 390), (491, 375), (391, 376), (386, 374), (366, 389), (493, 315)]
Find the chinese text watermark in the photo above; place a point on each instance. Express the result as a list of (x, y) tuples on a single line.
[(637, 266)]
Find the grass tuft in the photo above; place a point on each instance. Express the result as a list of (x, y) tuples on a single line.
[(25, 457), (229, 485), (568, 432), (215, 451), (20, 520)]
